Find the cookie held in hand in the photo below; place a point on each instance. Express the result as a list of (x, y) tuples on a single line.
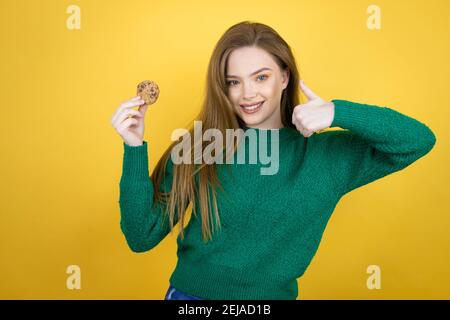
[(148, 90)]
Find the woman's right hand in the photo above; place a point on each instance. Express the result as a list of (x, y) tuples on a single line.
[(130, 129)]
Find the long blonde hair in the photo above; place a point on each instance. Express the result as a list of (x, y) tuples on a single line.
[(217, 112)]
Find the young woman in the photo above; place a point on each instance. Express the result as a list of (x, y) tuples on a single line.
[(269, 227)]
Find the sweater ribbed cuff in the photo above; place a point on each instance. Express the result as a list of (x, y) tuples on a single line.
[(351, 114), (135, 162)]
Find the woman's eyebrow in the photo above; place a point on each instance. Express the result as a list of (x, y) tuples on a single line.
[(257, 71)]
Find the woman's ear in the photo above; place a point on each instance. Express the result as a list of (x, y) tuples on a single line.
[(285, 78)]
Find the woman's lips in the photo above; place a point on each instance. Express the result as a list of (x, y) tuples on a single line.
[(252, 109)]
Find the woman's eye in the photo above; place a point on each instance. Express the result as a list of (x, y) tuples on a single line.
[(231, 82), (263, 75)]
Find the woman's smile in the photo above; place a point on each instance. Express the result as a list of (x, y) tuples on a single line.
[(253, 108)]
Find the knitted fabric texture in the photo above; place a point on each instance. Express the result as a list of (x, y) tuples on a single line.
[(271, 225)]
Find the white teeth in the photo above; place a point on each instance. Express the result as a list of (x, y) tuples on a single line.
[(253, 107)]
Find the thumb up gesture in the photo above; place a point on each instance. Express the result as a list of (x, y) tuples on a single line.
[(314, 115)]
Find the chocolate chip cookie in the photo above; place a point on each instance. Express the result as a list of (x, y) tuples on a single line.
[(148, 90)]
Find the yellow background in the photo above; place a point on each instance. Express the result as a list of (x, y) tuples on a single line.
[(61, 158)]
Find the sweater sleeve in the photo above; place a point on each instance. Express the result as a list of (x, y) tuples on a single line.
[(376, 141), (141, 223)]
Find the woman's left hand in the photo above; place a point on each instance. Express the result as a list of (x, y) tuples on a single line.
[(314, 115)]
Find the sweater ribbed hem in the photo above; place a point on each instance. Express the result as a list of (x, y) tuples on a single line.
[(218, 282)]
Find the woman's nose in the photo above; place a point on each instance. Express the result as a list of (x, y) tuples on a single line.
[(249, 91)]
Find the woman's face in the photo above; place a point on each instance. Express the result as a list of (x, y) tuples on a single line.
[(252, 77)]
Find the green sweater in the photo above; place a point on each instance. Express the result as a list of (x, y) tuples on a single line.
[(272, 225)]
